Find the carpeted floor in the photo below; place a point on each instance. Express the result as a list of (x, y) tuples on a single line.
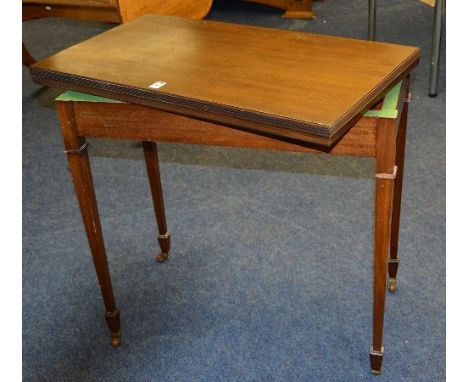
[(270, 276)]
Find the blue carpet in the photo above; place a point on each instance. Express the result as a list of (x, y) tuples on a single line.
[(270, 276)]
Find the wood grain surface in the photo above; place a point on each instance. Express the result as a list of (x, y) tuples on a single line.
[(139, 123), (130, 9), (314, 85), (77, 3)]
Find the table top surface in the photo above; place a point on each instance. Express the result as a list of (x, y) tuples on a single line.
[(312, 84)]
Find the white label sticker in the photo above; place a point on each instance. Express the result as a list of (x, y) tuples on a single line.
[(157, 85)]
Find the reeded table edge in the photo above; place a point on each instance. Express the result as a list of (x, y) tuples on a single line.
[(114, 90), (377, 93)]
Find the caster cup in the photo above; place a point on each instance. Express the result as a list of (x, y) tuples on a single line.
[(116, 342), (392, 285), (376, 358), (161, 258)]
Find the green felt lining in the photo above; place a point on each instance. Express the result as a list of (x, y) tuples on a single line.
[(70, 95), (389, 107)]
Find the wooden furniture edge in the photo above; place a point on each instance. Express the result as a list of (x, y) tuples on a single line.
[(169, 127), (389, 107), (293, 8), (166, 101), (316, 133), (106, 14), (140, 123), (398, 75)]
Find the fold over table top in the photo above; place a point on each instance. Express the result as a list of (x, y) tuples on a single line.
[(292, 84)]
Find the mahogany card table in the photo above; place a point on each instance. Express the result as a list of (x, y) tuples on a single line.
[(168, 79)]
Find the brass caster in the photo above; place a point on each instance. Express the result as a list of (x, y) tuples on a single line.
[(165, 245), (161, 258), (116, 342), (376, 358), (392, 285)]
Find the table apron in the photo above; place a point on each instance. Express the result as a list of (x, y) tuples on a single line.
[(140, 123)]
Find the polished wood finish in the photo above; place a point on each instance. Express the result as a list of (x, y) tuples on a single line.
[(33, 10), (99, 11), (135, 122), (381, 138), (294, 8), (111, 11), (75, 147), (387, 130), (216, 71), (373, 137), (131, 9), (185, 112), (76, 3), (397, 191), (152, 166), (299, 9), (114, 10)]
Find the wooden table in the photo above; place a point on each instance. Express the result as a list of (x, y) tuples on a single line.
[(202, 82)]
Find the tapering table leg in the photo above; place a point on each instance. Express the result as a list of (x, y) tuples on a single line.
[(76, 150), (385, 175), (394, 259), (371, 20), (152, 166), (27, 58), (436, 44)]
